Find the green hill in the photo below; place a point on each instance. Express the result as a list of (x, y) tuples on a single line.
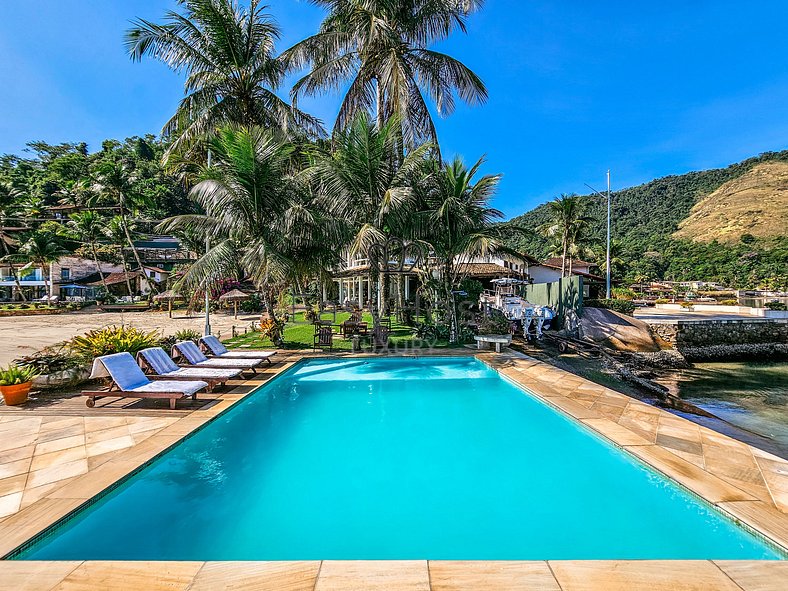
[(727, 224)]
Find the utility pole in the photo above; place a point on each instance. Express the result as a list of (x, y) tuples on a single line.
[(607, 256), (207, 329)]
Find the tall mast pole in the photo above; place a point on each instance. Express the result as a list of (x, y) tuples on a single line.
[(207, 329), (607, 255)]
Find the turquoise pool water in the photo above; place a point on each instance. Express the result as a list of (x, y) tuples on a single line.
[(395, 458)]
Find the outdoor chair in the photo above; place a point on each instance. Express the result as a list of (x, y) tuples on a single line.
[(193, 356), (156, 360), (129, 381), (324, 338), (213, 346)]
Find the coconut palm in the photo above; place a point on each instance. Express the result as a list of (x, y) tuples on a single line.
[(115, 229), (568, 221), (458, 222), (41, 249), (363, 182), (115, 180), (232, 73), (261, 220), (87, 227), (379, 51), (9, 196)]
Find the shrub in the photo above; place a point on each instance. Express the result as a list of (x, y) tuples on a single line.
[(310, 315), (494, 323), (14, 374), (272, 329), (620, 306), (687, 305), (113, 339), (432, 332), (623, 293), (662, 301), (49, 361), (252, 305), (729, 303), (775, 306)]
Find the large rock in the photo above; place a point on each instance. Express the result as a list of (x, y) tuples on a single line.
[(618, 331)]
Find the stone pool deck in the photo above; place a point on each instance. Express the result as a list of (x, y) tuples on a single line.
[(54, 458)]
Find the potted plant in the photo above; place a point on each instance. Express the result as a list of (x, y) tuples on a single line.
[(15, 382)]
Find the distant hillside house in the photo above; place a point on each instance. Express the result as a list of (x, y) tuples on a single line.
[(69, 279)]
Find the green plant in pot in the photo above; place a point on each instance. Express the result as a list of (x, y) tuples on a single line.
[(15, 382)]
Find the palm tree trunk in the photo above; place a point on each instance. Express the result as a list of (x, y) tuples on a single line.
[(13, 272), (130, 241), (449, 295), (98, 267), (563, 258), (381, 118)]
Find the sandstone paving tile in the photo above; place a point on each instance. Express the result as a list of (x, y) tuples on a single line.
[(16, 440), (373, 575), (33, 495), (775, 473), (105, 434), (640, 575), (16, 467), (10, 425), (756, 575), (608, 410), (103, 423), (10, 503), (57, 472), (140, 424), (257, 576), (12, 484), (138, 575), (679, 443), (107, 445), (33, 575), (59, 433), (703, 483), (762, 517), (615, 432), (573, 408), (53, 445), (447, 575), (31, 520), (62, 456)]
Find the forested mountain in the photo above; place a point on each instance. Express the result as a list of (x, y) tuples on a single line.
[(650, 241)]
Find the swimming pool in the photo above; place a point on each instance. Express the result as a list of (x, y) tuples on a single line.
[(396, 458)]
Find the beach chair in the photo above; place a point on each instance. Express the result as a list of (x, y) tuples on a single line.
[(128, 381), (189, 351), (156, 360), (213, 346)]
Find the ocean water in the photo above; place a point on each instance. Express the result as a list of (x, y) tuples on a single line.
[(436, 458)]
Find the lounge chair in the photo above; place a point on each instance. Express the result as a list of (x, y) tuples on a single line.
[(129, 381), (155, 359), (193, 356), (213, 346)]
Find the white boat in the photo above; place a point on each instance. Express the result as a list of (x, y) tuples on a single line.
[(516, 308)]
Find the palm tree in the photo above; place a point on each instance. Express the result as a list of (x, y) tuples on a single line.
[(232, 74), (458, 222), (115, 230), (363, 182), (41, 249), (379, 51), (568, 221), (115, 180), (261, 219), (9, 197), (87, 226)]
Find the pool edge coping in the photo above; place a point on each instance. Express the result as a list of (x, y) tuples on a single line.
[(52, 516)]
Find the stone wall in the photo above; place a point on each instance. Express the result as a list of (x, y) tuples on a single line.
[(726, 339)]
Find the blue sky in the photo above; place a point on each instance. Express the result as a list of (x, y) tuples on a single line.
[(646, 89)]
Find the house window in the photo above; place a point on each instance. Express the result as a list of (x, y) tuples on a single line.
[(65, 273)]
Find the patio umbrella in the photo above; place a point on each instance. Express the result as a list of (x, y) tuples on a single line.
[(168, 296), (234, 296)]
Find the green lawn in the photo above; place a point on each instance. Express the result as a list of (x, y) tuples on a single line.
[(299, 335)]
